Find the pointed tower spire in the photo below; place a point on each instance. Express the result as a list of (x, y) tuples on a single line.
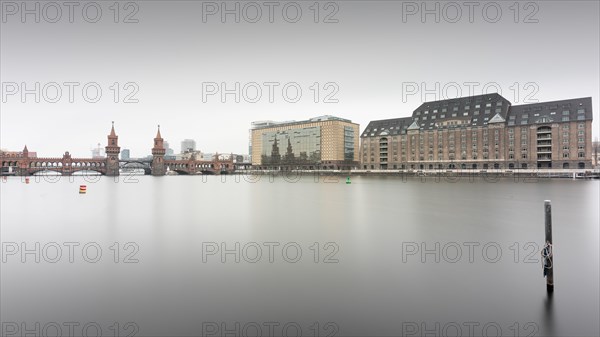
[(158, 154), (113, 139), (112, 150), (112, 130), (25, 148), (158, 148)]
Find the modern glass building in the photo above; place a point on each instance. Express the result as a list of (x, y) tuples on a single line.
[(325, 142)]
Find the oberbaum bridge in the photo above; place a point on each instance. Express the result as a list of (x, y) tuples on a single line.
[(23, 165)]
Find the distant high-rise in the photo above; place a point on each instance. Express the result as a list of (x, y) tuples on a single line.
[(168, 150), (98, 152), (188, 145), (125, 155)]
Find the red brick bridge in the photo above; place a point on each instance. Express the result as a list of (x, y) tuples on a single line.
[(21, 163)]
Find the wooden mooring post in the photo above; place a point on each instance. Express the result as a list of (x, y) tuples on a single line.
[(547, 251)]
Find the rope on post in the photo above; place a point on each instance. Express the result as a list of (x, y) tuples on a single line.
[(546, 257)]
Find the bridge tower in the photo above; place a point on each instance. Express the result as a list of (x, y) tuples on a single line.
[(158, 154), (112, 153), (23, 164)]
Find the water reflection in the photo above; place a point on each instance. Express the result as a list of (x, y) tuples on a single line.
[(370, 291), (548, 318)]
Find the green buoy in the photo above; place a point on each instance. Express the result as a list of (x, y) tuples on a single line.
[(348, 181)]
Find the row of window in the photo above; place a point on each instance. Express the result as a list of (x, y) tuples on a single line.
[(463, 166), (485, 156), (485, 132), (455, 108)]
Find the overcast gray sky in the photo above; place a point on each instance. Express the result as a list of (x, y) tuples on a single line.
[(371, 60)]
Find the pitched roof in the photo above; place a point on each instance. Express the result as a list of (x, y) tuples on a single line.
[(577, 109), (463, 111), (383, 127)]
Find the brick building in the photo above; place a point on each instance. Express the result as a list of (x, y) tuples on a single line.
[(482, 132)]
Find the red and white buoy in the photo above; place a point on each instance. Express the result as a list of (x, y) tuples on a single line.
[(82, 189)]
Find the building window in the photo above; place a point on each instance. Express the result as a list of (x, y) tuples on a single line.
[(580, 111), (566, 113), (565, 119)]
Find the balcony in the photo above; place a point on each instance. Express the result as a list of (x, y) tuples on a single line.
[(544, 130), (544, 136), (544, 158)]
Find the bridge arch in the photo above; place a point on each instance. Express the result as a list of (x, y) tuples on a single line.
[(88, 169), (43, 170)]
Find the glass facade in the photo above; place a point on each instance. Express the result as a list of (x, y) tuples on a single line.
[(295, 146), (348, 143)]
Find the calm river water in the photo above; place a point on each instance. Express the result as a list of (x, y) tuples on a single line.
[(212, 256)]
